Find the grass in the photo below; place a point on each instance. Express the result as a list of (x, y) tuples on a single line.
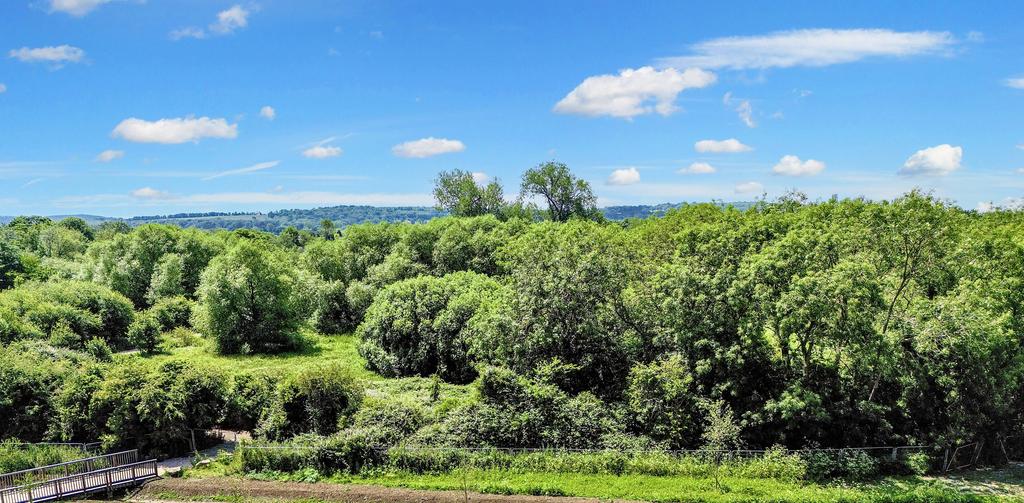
[(672, 488), (652, 488), (319, 349)]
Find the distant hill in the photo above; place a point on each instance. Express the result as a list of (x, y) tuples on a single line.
[(342, 216)]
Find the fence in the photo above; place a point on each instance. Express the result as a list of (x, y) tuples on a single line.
[(81, 484), (68, 468)]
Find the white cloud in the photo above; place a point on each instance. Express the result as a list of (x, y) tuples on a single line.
[(109, 155), (243, 171), (3, 88), (57, 56), (77, 8), (178, 130), (748, 188), (480, 178), (697, 168), (624, 176), (633, 92), (729, 146), (938, 160), (1007, 204), (812, 47), (188, 32), (1016, 82), (268, 112), (150, 193), (743, 109), (322, 152), (230, 20), (427, 147), (791, 165), (227, 22)]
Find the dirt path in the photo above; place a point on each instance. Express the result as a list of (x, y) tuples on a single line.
[(218, 488)]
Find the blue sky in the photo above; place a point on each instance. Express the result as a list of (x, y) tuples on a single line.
[(125, 107)]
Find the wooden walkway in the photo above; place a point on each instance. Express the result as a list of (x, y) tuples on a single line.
[(76, 478)]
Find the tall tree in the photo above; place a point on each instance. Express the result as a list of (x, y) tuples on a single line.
[(459, 193), (566, 195)]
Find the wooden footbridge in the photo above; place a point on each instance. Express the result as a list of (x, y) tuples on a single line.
[(77, 478)]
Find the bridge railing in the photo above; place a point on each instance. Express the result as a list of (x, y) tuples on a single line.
[(68, 468), (80, 484)]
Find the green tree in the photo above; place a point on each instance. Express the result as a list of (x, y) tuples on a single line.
[(458, 193), (248, 301), (565, 195), (167, 278)]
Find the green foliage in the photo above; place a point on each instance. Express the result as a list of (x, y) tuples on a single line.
[(16, 457), (138, 405), (172, 312), (419, 326), (318, 400), (566, 196), (514, 412), (458, 193), (663, 403), (70, 312), (248, 302), (144, 333)]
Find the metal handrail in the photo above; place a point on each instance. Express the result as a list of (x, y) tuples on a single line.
[(81, 484), (70, 467)]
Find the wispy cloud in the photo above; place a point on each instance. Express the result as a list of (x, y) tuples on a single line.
[(813, 47), (56, 56), (1016, 82), (228, 21), (109, 155), (243, 171)]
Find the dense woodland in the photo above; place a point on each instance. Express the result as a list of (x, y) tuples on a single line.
[(831, 323)]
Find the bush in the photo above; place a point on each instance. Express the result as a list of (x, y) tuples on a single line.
[(840, 464), (662, 400), (172, 312), (250, 400), (144, 333), (317, 400), (153, 408), (419, 327), (514, 412), (918, 463), (248, 301), (77, 310)]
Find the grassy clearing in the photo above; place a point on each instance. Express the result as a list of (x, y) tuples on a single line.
[(319, 349)]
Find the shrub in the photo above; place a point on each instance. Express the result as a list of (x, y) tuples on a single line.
[(180, 338), (250, 399), (172, 312), (78, 310), (248, 302), (316, 400), (99, 350), (419, 326), (662, 399), (513, 412), (144, 333), (840, 464), (918, 463)]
